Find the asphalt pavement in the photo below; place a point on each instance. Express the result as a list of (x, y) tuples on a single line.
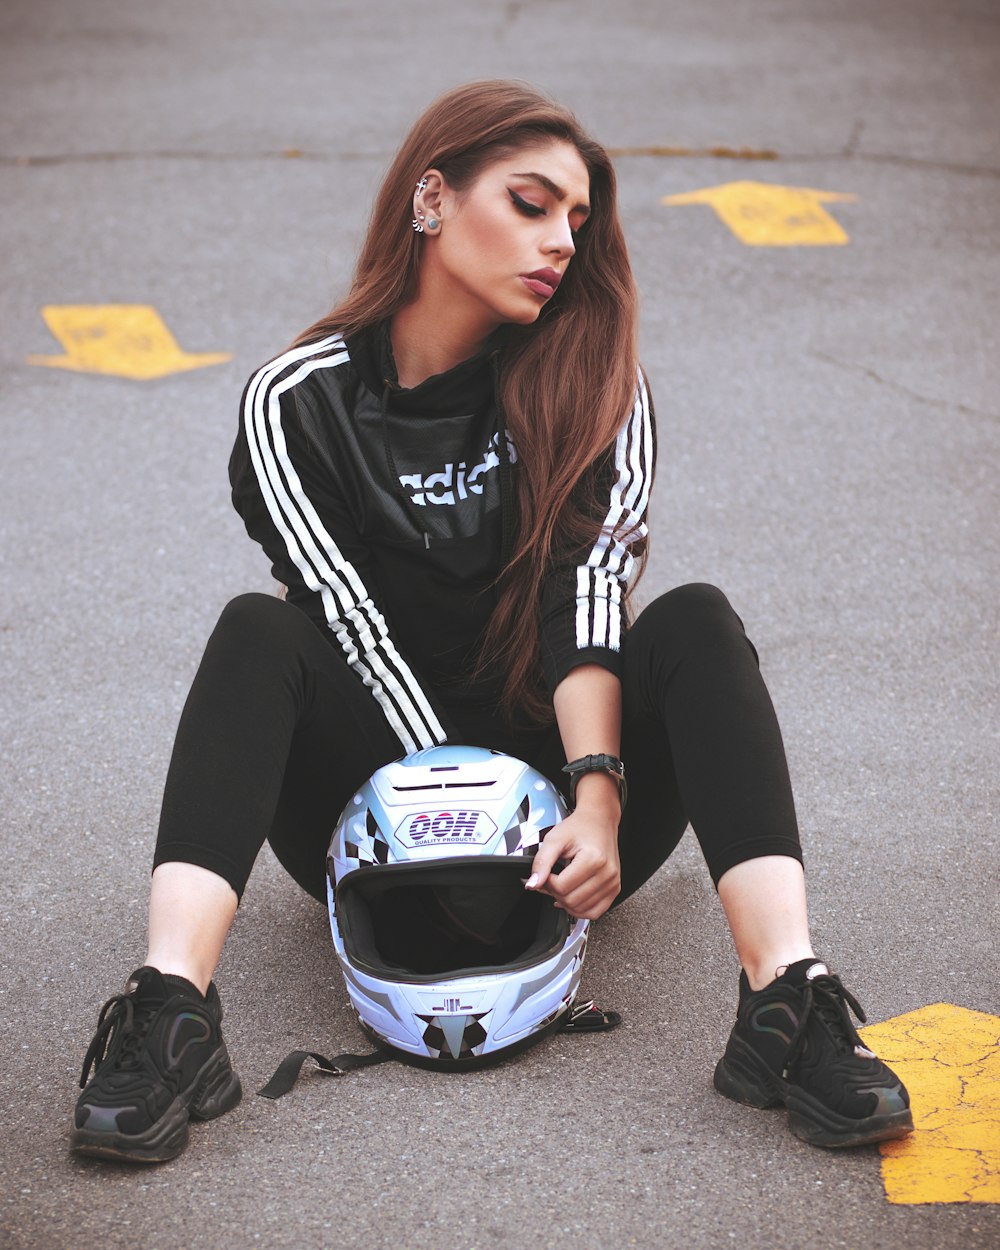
[(829, 455)]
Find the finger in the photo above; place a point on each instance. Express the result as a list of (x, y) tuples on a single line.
[(545, 858), (575, 877), (590, 870), (596, 893)]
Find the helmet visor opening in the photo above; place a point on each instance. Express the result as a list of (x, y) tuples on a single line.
[(425, 921)]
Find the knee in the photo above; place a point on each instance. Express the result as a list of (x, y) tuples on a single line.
[(692, 618), (698, 609), (693, 625), (256, 620), (261, 649)]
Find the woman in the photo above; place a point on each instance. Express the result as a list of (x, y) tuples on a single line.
[(450, 474)]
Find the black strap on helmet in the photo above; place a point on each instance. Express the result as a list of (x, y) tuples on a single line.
[(583, 1018), (587, 1018), (288, 1070)]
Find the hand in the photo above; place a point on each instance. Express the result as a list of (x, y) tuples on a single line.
[(589, 883)]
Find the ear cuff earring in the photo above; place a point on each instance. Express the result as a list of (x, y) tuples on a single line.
[(417, 222)]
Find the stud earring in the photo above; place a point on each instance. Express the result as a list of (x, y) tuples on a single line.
[(421, 184)]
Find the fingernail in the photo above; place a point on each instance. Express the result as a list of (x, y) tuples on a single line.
[(531, 882)]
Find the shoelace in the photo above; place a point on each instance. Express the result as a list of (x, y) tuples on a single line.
[(118, 1019), (826, 996)]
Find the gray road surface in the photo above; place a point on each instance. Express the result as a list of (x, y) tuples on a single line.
[(829, 434)]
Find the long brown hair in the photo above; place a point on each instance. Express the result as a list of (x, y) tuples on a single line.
[(566, 382)]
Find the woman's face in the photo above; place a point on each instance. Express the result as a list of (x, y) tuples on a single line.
[(504, 243)]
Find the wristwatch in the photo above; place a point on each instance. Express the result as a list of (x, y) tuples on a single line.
[(609, 764)]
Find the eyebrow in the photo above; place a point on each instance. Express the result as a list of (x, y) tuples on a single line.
[(554, 189)]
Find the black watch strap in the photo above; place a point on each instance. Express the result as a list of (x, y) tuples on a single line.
[(609, 764)]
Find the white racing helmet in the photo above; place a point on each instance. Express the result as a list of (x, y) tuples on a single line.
[(448, 959)]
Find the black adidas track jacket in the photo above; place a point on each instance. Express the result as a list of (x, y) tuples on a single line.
[(380, 509)]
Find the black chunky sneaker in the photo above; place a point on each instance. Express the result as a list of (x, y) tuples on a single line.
[(794, 1043), (159, 1060)]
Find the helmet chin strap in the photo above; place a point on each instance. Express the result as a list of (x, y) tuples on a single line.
[(583, 1018), (288, 1070)]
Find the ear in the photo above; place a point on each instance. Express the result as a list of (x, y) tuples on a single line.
[(430, 199)]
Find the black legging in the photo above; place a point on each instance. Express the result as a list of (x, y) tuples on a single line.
[(277, 734)]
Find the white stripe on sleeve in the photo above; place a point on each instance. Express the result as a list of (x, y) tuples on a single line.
[(600, 581), (359, 626)]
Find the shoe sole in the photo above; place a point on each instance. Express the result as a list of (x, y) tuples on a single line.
[(741, 1076), (215, 1090)]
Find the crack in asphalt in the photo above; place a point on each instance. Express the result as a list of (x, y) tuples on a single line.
[(850, 147), (168, 154), (670, 151), (719, 152), (906, 162), (852, 367)]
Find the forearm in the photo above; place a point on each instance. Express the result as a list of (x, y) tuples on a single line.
[(588, 708)]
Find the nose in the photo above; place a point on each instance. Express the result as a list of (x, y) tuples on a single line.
[(561, 240)]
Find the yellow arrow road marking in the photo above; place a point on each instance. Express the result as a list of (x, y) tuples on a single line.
[(126, 340), (761, 214), (949, 1059)]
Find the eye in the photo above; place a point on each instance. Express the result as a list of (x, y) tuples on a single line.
[(522, 206)]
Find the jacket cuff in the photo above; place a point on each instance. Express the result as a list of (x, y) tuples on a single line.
[(559, 667)]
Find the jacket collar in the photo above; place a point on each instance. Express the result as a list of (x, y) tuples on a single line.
[(464, 389)]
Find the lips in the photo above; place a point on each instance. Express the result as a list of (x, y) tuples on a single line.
[(543, 282)]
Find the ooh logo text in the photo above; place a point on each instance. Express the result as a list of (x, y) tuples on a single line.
[(458, 828)]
